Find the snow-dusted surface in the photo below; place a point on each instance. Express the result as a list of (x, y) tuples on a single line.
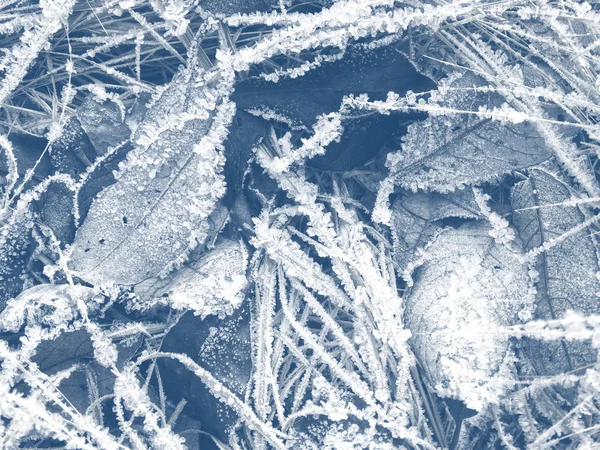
[(336, 224)]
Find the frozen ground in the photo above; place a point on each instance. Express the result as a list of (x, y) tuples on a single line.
[(256, 224)]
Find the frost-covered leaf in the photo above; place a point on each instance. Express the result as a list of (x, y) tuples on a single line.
[(228, 7), (73, 151), (567, 270), (435, 206), (213, 284), (445, 152), (467, 287), (416, 218), (166, 189), (221, 346), (57, 212), (102, 121), (99, 179), (15, 246)]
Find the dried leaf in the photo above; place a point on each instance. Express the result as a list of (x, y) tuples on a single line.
[(57, 212), (15, 245), (72, 152), (446, 152), (221, 346), (103, 123), (416, 218), (228, 7), (567, 271), (466, 288), (213, 284), (157, 210)]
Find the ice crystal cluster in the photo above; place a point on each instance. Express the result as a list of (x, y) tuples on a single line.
[(285, 224)]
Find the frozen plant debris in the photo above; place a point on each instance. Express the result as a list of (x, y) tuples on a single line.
[(213, 284), (466, 289), (336, 224)]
